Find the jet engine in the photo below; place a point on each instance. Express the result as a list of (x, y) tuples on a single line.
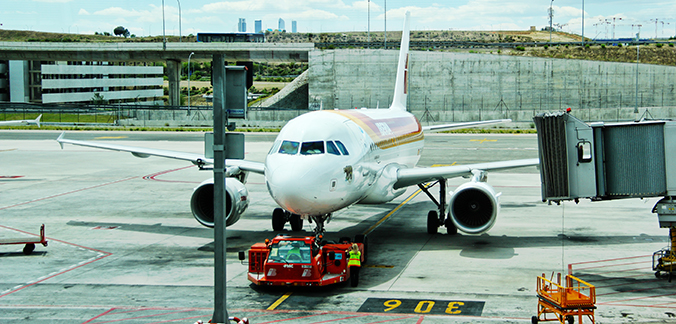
[(202, 202), (474, 207)]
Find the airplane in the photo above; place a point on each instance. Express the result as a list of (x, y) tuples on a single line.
[(23, 122), (326, 160)]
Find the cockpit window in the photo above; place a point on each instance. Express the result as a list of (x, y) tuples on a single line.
[(331, 148), (290, 252), (342, 148), (309, 148), (289, 147), (275, 147)]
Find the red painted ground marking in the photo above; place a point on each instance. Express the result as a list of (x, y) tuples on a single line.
[(140, 317), (155, 175), (338, 319), (66, 193), (11, 177), (391, 320), (295, 318), (420, 320), (106, 254)]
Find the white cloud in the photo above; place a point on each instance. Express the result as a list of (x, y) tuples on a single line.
[(83, 12)]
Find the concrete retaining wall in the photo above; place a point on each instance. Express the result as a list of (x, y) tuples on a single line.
[(461, 87)]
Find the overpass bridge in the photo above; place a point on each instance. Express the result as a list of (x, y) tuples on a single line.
[(171, 53)]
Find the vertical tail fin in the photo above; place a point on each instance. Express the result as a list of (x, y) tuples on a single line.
[(401, 85)]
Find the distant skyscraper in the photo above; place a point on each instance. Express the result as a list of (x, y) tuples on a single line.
[(293, 27), (281, 24), (259, 26), (241, 26)]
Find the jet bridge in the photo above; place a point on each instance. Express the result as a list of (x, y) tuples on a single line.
[(605, 161)]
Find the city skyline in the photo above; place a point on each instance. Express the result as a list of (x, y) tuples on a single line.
[(144, 17)]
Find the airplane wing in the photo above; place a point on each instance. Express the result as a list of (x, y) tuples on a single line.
[(23, 122), (142, 152), (413, 176), (437, 128)]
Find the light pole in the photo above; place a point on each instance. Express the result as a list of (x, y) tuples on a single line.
[(582, 22), (164, 35), (385, 24), (189, 56), (551, 17), (638, 37), (368, 24), (179, 20)]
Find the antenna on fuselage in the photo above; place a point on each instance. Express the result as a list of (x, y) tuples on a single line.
[(401, 85)]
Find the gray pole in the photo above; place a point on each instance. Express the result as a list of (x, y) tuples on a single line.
[(638, 37), (189, 56), (582, 22), (164, 35), (220, 118), (551, 17), (368, 24), (179, 20), (385, 24)]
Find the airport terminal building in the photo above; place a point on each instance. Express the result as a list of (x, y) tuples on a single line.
[(82, 82)]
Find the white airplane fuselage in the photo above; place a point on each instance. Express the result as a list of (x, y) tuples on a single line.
[(320, 180)]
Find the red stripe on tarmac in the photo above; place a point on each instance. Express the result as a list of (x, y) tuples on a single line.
[(67, 193), (155, 175)]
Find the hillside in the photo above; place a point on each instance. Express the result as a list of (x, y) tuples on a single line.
[(651, 54)]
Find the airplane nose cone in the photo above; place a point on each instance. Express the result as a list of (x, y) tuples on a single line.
[(301, 189)]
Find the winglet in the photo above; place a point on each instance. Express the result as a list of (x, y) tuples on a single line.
[(61, 138), (401, 85), (37, 120)]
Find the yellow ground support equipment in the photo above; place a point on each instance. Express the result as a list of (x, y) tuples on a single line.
[(576, 298), (665, 260)]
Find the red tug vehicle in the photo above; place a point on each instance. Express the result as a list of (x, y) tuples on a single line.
[(302, 261)]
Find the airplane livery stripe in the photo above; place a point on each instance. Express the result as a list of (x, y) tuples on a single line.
[(386, 132)]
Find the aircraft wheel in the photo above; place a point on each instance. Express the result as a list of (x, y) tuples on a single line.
[(28, 249), (296, 222), (278, 219), (360, 238), (534, 320), (432, 222), (450, 227)]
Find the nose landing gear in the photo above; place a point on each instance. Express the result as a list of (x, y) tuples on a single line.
[(280, 217)]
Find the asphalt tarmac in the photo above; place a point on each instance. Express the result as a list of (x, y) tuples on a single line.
[(124, 247)]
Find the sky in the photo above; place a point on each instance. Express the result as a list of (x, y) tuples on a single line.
[(144, 17)]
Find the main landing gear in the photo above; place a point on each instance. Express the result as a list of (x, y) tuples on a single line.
[(280, 217), (437, 218)]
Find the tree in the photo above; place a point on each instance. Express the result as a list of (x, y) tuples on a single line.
[(121, 31)]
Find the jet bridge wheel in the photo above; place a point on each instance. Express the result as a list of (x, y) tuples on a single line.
[(278, 219), (432, 222)]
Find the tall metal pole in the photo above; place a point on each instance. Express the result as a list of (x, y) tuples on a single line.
[(164, 35), (179, 20), (220, 311), (385, 24), (582, 22), (189, 56), (638, 37), (368, 24), (551, 17)]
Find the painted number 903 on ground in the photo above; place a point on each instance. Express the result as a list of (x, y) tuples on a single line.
[(417, 306)]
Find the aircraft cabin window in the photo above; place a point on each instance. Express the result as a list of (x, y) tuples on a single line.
[(342, 148), (331, 148), (289, 147), (310, 148)]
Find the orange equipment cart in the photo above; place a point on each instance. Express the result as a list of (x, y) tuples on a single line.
[(574, 299)]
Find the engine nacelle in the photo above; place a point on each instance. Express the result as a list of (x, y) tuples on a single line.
[(202, 202), (474, 207)]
